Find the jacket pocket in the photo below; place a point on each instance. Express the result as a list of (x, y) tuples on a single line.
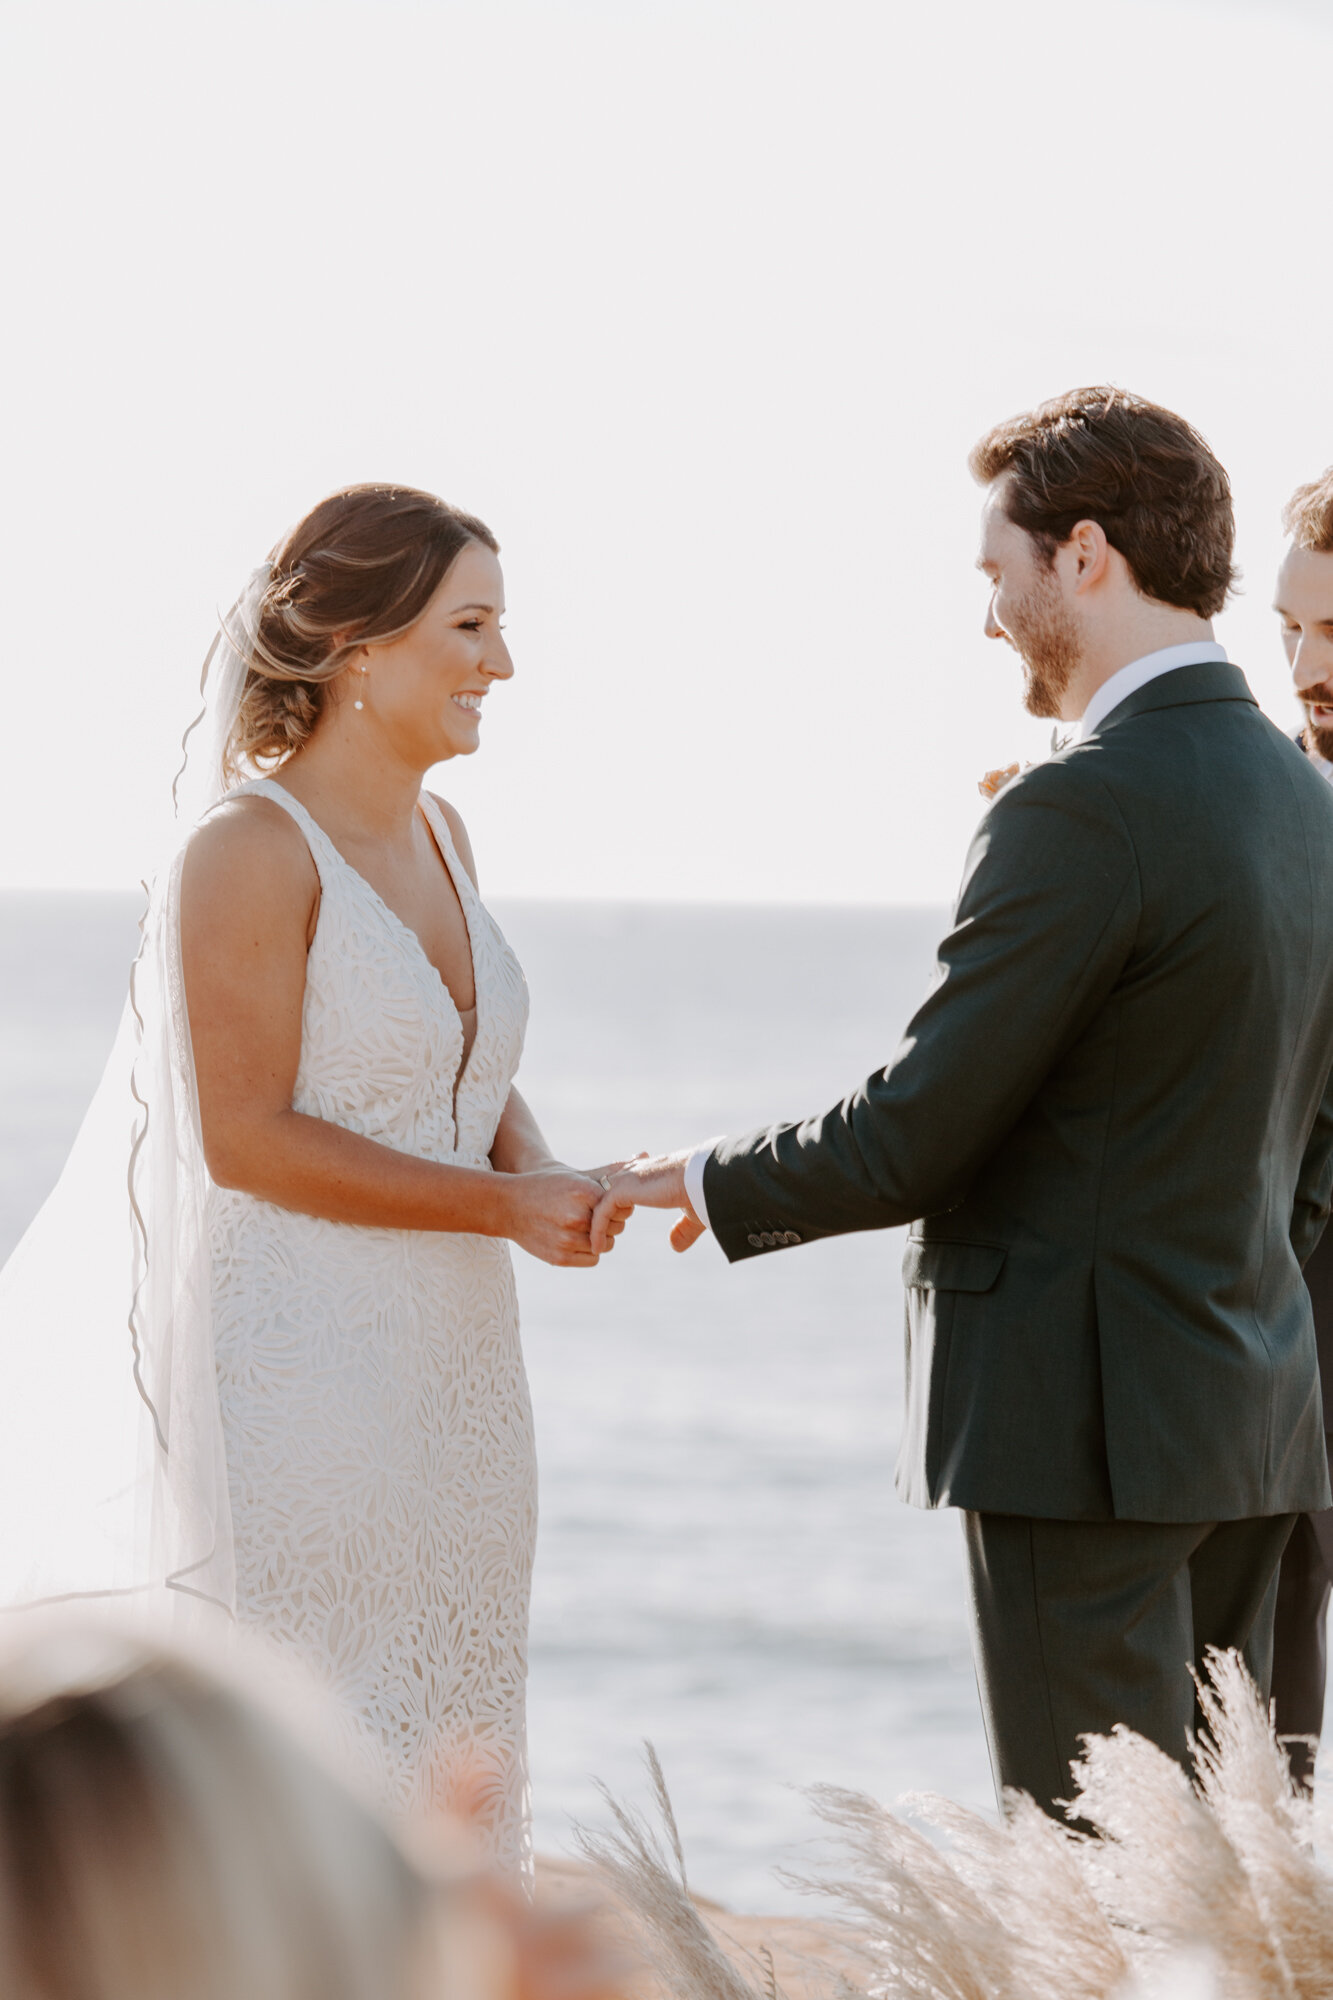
[(952, 1267)]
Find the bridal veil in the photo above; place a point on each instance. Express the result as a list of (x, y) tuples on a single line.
[(113, 1480)]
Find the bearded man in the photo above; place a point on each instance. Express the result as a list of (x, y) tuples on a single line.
[(1304, 603), (1110, 1124)]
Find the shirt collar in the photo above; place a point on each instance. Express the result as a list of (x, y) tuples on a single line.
[(1128, 680)]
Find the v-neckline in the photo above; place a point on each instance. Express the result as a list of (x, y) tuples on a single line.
[(443, 849)]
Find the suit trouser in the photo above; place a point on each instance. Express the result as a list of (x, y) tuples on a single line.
[(1300, 1654), (1300, 1662), (1080, 1625)]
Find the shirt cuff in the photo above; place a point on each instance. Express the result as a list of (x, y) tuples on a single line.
[(694, 1177)]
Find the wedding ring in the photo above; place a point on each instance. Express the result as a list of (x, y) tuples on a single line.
[(604, 1180)]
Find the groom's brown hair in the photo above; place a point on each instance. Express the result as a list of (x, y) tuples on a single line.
[(1142, 473)]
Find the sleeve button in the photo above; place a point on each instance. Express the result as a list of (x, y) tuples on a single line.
[(755, 1242)]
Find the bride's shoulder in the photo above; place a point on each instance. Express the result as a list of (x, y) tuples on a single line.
[(458, 833), (249, 846)]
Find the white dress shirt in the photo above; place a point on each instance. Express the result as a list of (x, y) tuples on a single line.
[(1128, 680), (694, 1176), (1123, 683)]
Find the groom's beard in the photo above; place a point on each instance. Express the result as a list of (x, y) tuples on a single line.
[(1045, 638), (1322, 739)]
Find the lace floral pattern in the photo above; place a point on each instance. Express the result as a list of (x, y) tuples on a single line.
[(375, 1408)]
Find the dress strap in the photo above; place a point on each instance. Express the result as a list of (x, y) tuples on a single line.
[(321, 847), (439, 826)]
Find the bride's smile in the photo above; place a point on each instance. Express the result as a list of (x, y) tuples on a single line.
[(420, 696)]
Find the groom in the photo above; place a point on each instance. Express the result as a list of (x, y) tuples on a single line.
[(1110, 1123)]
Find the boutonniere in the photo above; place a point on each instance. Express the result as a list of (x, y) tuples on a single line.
[(994, 782)]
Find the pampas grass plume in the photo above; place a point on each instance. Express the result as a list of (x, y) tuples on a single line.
[(1211, 1890), (647, 1877)]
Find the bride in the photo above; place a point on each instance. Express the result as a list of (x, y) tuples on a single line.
[(327, 1025)]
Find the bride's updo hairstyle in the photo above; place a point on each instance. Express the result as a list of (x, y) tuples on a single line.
[(362, 566)]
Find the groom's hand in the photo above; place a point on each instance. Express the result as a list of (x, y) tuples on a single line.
[(656, 1182)]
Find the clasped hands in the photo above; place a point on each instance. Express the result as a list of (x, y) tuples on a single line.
[(570, 1218), (651, 1181)]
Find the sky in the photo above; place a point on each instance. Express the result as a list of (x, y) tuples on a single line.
[(700, 306)]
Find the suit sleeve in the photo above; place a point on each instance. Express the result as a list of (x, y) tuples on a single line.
[(1045, 922), (1314, 1188)]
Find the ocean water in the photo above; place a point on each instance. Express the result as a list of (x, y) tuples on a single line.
[(723, 1568)]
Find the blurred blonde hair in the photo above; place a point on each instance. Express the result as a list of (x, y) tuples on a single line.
[(162, 1839)]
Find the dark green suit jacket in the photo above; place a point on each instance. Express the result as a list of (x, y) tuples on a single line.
[(1111, 1126)]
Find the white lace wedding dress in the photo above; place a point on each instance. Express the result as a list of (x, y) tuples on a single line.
[(375, 1409)]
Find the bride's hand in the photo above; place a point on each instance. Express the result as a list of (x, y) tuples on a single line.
[(649, 1183), (611, 1168), (549, 1214)]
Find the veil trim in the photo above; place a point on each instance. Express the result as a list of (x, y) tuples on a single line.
[(113, 1477)]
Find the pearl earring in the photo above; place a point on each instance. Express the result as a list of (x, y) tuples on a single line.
[(358, 703)]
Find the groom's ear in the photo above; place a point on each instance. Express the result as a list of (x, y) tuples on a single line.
[(1088, 554)]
